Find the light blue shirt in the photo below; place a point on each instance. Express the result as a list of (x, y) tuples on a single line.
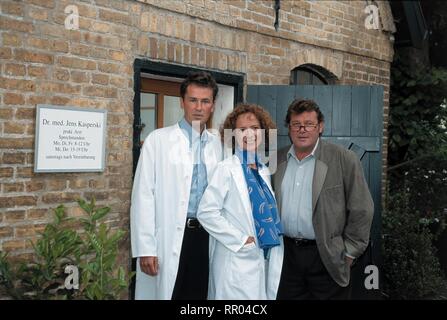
[(199, 180), (296, 195)]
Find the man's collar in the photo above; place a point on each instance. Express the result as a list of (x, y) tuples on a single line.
[(191, 133), (291, 152)]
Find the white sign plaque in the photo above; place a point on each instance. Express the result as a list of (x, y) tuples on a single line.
[(69, 139)]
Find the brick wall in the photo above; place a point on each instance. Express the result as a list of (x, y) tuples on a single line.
[(42, 62)]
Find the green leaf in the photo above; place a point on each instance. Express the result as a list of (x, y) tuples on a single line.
[(100, 213), (83, 204)]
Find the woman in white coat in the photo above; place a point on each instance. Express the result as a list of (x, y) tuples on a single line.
[(238, 209)]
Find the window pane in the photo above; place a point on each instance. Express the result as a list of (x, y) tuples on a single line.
[(172, 111), (147, 114)]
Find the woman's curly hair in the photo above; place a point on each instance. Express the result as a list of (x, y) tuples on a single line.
[(260, 113)]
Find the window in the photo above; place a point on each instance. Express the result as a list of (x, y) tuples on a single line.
[(159, 105)]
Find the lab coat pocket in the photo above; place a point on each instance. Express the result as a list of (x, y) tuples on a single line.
[(245, 264)]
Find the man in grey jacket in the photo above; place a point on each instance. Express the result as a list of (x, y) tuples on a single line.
[(326, 209)]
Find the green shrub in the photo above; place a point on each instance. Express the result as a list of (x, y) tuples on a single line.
[(93, 250), (425, 180), (418, 111), (411, 269)]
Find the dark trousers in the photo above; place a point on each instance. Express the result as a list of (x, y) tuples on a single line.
[(304, 276), (193, 270)]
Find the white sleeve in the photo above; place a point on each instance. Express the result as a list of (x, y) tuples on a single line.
[(142, 210)]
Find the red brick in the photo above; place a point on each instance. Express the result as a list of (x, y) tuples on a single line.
[(24, 231), (60, 197), (117, 55), (34, 185), (33, 56), (16, 143), (14, 158), (98, 195), (15, 70), (13, 187), (100, 78), (77, 63), (25, 114), (12, 39), (79, 76), (43, 3), (96, 91), (6, 113), (13, 244), (33, 100), (38, 14), (10, 202), (101, 40), (98, 183), (11, 24), (14, 216), (49, 86), (13, 98), (78, 183), (6, 172), (61, 74), (36, 214), (16, 84), (12, 8), (56, 184), (58, 100), (5, 232), (36, 71), (14, 128), (5, 53), (107, 15), (241, 24), (108, 67), (25, 172)]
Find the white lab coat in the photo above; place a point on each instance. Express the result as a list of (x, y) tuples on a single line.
[(236, 271), (159, 204)]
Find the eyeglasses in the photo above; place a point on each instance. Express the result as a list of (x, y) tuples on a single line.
[(306, 127)]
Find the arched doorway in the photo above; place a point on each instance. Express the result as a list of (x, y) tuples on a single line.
[(311, 74)]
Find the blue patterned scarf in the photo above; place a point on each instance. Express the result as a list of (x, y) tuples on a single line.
[(263, 204)]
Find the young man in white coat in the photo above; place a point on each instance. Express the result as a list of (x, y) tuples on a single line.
[(172, 173)]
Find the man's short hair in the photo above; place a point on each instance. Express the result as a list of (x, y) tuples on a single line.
[(299, 106), (201, 79)]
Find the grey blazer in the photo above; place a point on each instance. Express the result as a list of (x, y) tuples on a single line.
[(342, 206)]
